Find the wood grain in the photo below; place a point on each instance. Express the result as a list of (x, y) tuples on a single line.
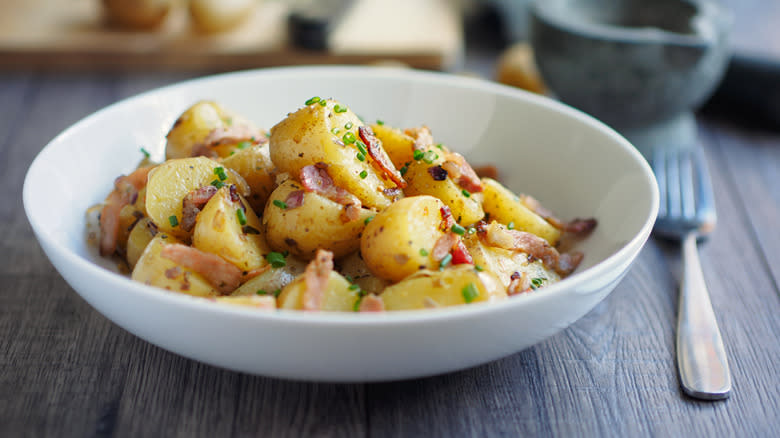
[(67, 371)]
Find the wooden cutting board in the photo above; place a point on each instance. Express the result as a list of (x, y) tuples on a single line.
[(73, 35)]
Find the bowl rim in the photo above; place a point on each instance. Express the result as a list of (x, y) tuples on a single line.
[(123, 284)]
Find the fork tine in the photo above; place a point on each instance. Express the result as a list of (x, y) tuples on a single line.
[(659, 167), (673, 184), (705, 198), (687, 200)]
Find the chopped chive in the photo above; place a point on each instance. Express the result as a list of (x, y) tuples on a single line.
[(466, 193), (218, 184), (241, 216), (339, 109), (243, 144), (314, 99), (220, 172), (356, 306), (361, 147), (348, 138), (510, 226), (335, 131), (445, 261), (363, 174), (248, 229), (349, 278), (430, 156), (537, 282), (323, 102), (379, 122), (348, 125), (361, 157), (470, 293), (277, 292), (423, 252), (268, 134), (440, 146), (354, 286), (261, 292), (479, 268), (457, 229), (368, 219), (276, 259), (173, 220), (280, 204), (145, 152), (417, 154), (404, 169)]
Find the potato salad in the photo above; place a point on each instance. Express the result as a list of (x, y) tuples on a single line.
[(326, 212)]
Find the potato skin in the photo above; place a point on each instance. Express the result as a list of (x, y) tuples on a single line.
[(306, 137), (392, 242), (155, 270), (171, 181), (504, 206), (255, 166), (218, 231), (142, 233), (338, 297), (502, 263), (195, 124), (427, 289), (273, 279), (353, 266), (466, 210)]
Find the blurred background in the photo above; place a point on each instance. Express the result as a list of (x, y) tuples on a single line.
[(486, 38)]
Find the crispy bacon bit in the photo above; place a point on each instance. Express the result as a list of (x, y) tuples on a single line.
[(221, 274), (315, 178), (193, 203), (350, 213), (438, 173), (462, 173), (126, 190), (580, 227), (294, 199), (422, 137), (487, 171), (173, 272), (568, 262), (460, 255), (371, 303), (233, 191), (377, 152), (443, 246), (316, 278), (447, 221), (518, 283), (255, 273), (230, 135)]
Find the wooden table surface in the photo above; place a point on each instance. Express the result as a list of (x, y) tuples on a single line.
[(65, 370)]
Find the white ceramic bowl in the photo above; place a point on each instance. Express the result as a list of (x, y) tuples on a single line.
[(574, 164)]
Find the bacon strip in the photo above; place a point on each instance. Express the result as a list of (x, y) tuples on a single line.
[(534, 246), (193, 203), (487, 171), (294, 199), (316, 278), (125, 192), (518, 283), (444, 245), (315, 178), (375, 150), (578, 227), (462, 173), (422, 137), (221, 274), (447, 221), (371, 303), (460, 255)]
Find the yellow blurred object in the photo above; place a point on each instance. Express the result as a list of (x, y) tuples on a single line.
[(516, 67), (213, 16), (137, 14)]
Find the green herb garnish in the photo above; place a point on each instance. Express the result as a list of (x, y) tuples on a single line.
[(510, 226), (466, 193), (363, 174), (243, 144), (348, 138), (276, 259), (348, 125), (459, 230), (241, 216), (479, 268), (469, 292), (173, 220), (314, 99), (339, 109), (145, 152), (445, 261), (361, 157), (220, 172), (537, 282), (368, 219), (430, 156), (218, 184), (379, 122), (280, 204), (423, 252), (418, 154)]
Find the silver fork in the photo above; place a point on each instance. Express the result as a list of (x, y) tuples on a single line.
[(687, 212)]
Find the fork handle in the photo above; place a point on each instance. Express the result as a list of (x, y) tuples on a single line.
[(701, 358)]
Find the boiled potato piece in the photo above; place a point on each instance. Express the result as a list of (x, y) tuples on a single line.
[(398, 145), (353, 266), (142, 233), (338, 296), (329, 134), (137, 14), (263, 302), (255, 166), (399, 240), (128, 217), (195, 124), (466, 210), (505, 207), (220, 15), (171, 181), (316, 224), (155, 270), (234, 233), (273, 280), (461, 284), (503, 262)]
